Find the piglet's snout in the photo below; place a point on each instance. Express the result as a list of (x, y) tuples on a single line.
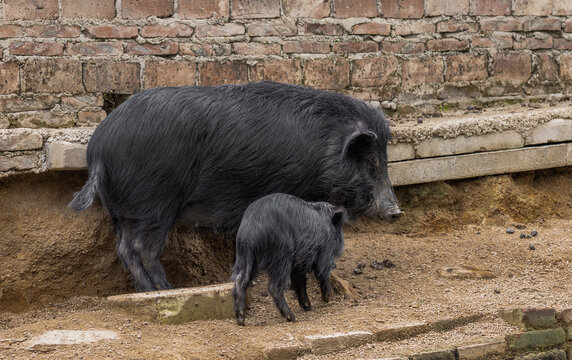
[(391, 214)]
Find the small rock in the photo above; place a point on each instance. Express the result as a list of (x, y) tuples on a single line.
[(528, 236), (377, 265), (497, 291), (531, 247), (419, 120), (522, 235), (358, 271), (520, 226), (534, 233), (510, 231)]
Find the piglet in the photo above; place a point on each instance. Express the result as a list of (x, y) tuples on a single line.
[(288, 238)]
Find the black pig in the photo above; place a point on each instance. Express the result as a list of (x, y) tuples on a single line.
[(201, 155), (288, 237)]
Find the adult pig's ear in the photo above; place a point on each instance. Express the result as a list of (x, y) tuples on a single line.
[(339, 216), (359, 143)]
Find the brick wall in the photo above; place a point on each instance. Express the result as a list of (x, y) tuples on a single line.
[(66, 62)]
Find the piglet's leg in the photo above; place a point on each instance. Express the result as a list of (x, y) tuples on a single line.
[(276, 286), (322, 270), (299, 284)]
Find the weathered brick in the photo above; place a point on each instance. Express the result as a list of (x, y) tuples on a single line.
[(565, 61), (448, 26), (141, 9), (9, 77), (466, 68), (532, 7), (48, 31), (447, 44), (510, 24), (36, 48), (324, 344), (96, 9), (404, 9), (332, 73), (357, 47), (568, 26), (565, 316), (113, 31), (164, 48), (203, 9), (414, 27), (562, 44), (17, 141), (315, 9), (279, 29), (306, 47), (515, 67), (373, 71), (422, 70), (254, 48), (22, 162), (95, 48), (354, 8), (490, 7), (231, 29), (373, 28), (204, 49), (446, 7), (282, 70), (555, 354), (533, 43), (536, 339), (216, 73), (255, 9), (52, 75), (403, 47), (320, 29), (170, 30), (482, 351), (26, 103), (54, 118), (111, 77), (90, 117), (30, 10), (542, 24), (11, 31), (562, 7), (73, 103), (494, 41), (547, 68)]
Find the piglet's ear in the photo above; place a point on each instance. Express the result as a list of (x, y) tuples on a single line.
[(359, 142), (339, 216)]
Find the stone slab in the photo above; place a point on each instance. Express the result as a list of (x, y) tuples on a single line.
[(536, 339), (69, 337), (569, 155), (400, 152), (402, 331), (19, 162), (482, 351), (63, 155), (324, 344), (478, 164), (434, 355), (557, 130), (556, 354), (463, 145), (179, 306)]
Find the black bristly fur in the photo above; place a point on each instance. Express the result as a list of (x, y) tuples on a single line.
[(201, 155), (288, 238)]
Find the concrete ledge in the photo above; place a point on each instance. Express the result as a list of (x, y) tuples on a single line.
[(478, 164), (455, 148), (324, 344), (179, 305)]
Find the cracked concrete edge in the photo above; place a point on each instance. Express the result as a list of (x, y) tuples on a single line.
[(330, 343)]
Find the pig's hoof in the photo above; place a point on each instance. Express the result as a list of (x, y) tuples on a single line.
[(307, 306), (291, 317)]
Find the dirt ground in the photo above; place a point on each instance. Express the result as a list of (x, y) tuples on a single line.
[(59, 265)]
